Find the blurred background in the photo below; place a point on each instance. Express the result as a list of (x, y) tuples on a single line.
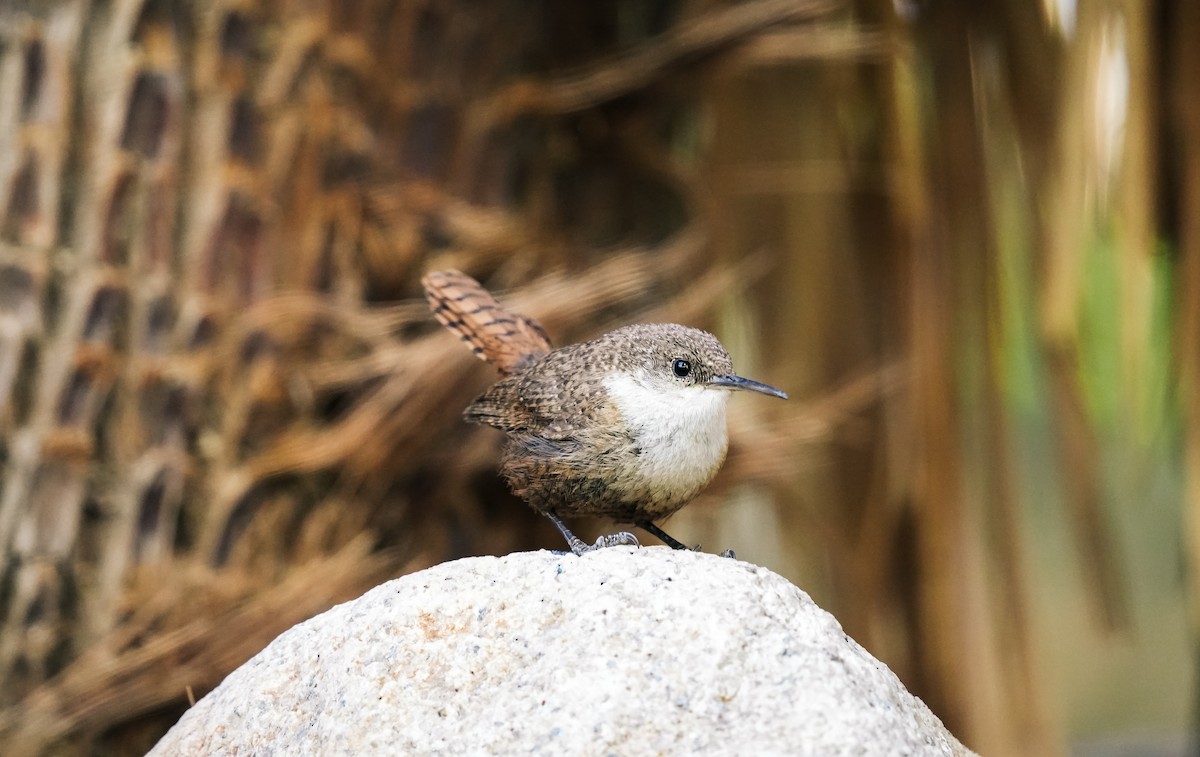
[(965, 237)]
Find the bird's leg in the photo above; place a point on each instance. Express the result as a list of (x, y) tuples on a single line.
[(667, 539), (671, 541), (579, 547)]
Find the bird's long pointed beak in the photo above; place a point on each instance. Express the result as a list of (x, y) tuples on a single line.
[(737, 382)]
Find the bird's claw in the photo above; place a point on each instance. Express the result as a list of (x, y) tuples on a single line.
[(619, 539), (727, 553)]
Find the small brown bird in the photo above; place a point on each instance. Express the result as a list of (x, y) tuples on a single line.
[(630, 425)]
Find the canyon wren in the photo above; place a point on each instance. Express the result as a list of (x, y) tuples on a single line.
[(630, 426)]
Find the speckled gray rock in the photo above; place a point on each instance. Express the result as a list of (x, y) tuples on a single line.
[(619, 651)]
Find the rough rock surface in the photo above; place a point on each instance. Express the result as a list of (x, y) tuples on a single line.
[(620, 651)]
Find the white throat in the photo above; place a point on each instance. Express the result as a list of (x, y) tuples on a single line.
[(680, 429)]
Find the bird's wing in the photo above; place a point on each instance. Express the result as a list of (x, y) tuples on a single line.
[(547, 403), (501, 407)]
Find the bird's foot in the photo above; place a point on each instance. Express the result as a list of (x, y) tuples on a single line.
[(619, 539), (727, 553), (579, 547)]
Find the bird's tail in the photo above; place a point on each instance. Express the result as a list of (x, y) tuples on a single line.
[(498, 336)]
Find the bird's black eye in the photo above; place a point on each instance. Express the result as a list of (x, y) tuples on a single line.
[(681, 368)]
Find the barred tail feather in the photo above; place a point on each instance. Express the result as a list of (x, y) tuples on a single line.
[(498, 336)]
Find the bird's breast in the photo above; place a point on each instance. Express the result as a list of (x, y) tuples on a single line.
[(680, 437)]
